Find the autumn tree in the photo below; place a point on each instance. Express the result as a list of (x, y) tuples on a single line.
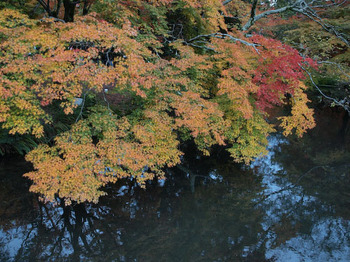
[(318, 29), (183, 73)]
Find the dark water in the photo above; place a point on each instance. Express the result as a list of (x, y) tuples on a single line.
[(292, 205)]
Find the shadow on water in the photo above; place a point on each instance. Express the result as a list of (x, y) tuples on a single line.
[(292, 205)]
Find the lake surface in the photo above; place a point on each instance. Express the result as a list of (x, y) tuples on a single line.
[(291, 205)]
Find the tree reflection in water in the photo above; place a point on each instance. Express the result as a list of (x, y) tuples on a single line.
[(301, 225), (280, 208), (216, 221)]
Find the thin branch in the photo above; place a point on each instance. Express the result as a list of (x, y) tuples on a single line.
[(292, 186), (335, 101), (82, 107), (338, 65), (299, 6), (329, 5), (109, 62), (105, 99), (311, 14), (222, 36)]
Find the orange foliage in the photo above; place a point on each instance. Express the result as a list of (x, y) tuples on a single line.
[(213, 98)]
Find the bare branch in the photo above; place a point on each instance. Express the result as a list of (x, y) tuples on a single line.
[(341, 103), (299, 6), (222, 36), (255, 18), (336, 64), (328, 5), (82, 107), (311, 14)]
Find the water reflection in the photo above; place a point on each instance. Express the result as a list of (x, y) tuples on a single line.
[(209, 219), (299, 226), (285, 207)]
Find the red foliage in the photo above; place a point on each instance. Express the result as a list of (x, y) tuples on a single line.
[(279, 71)]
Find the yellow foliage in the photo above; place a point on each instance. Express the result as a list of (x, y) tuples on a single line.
[(301, 118)]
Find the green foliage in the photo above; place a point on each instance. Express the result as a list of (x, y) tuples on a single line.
[(187, 21), (16, 143), (24, 6)]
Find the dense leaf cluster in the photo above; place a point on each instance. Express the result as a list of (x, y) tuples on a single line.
[(136, 80)]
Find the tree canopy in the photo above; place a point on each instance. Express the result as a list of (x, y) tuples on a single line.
[(114, 92)]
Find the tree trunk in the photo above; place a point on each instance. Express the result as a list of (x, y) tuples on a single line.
[(86, 7), (69, 10)]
